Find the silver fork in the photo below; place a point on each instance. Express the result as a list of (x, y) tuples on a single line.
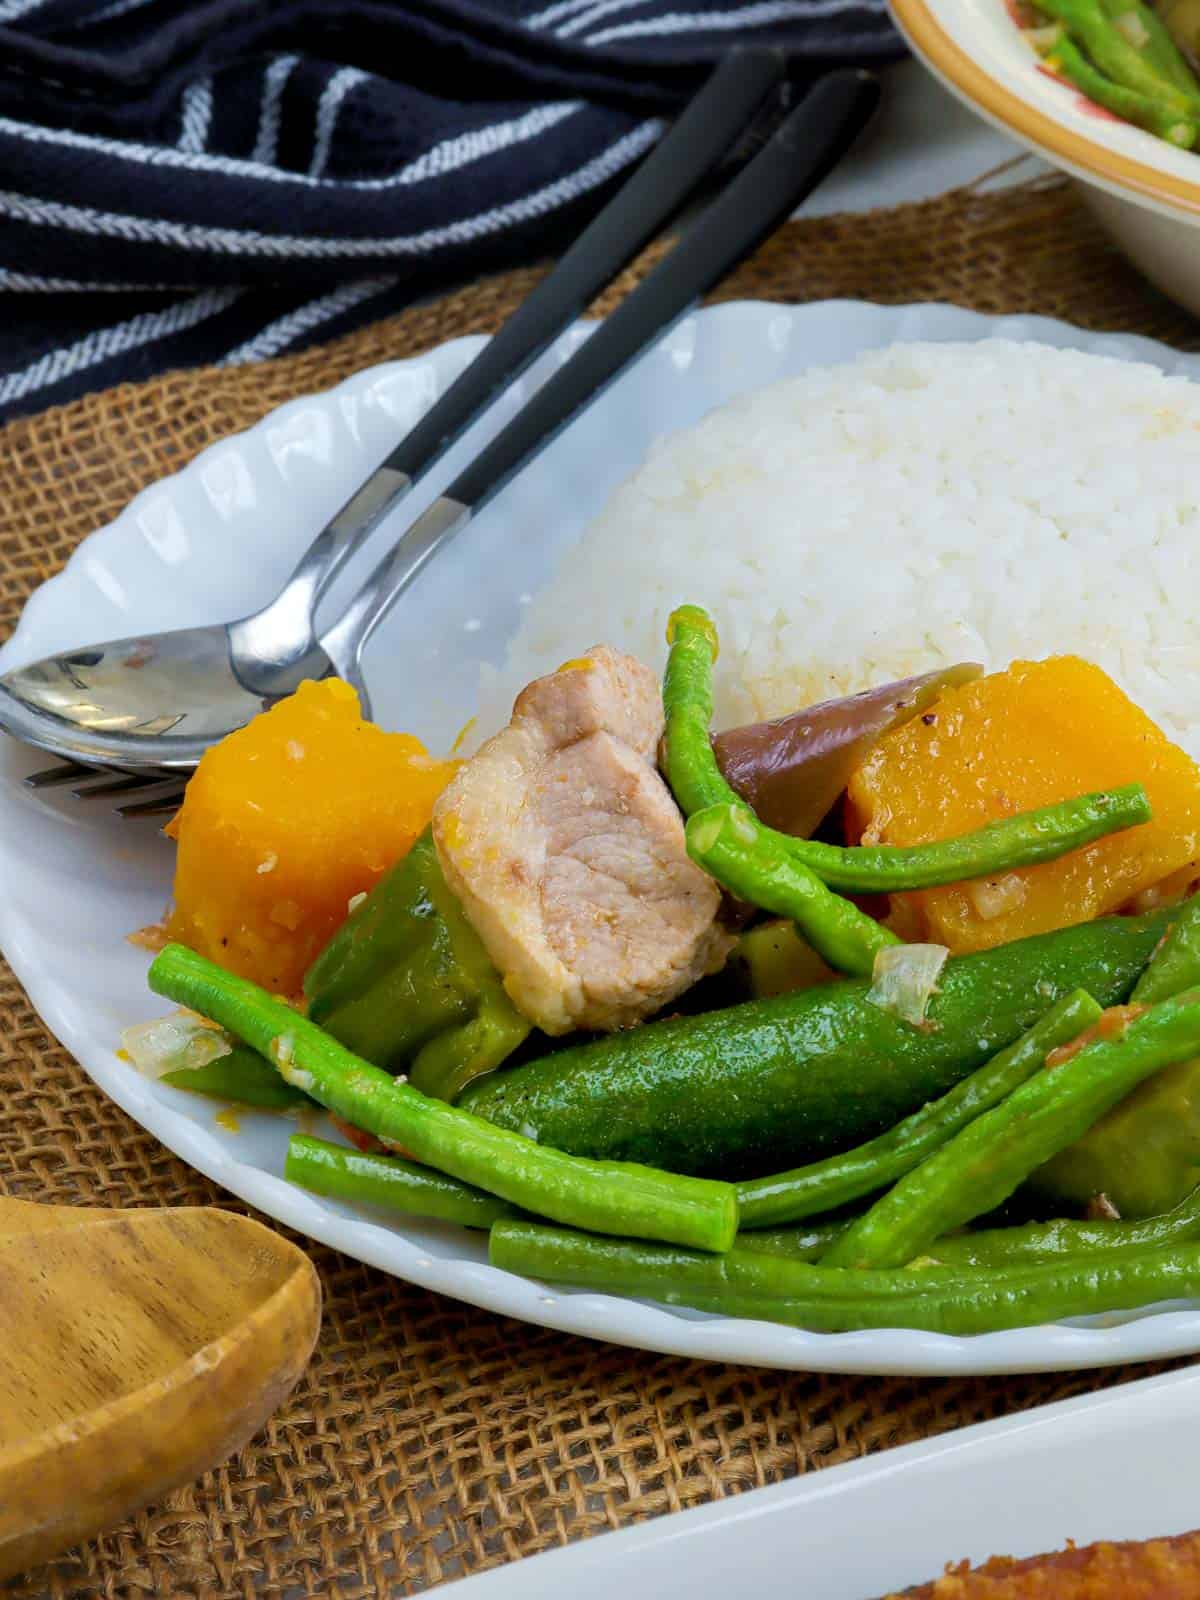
[(193, 686), (158, 793)]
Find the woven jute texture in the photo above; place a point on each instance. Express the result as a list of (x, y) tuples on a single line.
[(429, 1440)]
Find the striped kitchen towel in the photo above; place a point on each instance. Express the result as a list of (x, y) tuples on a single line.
[(188, 181)]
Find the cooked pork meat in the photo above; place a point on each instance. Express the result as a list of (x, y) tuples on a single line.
[(566, 850)]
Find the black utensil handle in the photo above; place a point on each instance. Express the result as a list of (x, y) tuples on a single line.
[(807, 146), (792, 163), (705, 131), (701, 136)]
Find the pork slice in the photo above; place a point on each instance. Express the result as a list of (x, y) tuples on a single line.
[(566, 850), (603, 691)]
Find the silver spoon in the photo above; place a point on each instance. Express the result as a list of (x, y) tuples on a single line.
[(161, 701)]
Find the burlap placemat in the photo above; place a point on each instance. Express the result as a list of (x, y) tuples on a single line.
[(429, 1440)]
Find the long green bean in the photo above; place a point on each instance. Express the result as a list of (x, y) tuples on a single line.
[(1157, 47), (734, 848), (635, 1266), (826, 1185), (1167, 122), (1020, 841), (1175, 965), (612, 1197), (1067, 1238), (688, 760), (365, 1178), (832, 1299), (1119, 60), (1029, 1244), (714, 808), (807, 1241), (838, 931), (986, 1161)]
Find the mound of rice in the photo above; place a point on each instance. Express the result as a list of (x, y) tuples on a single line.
[(922, 504)]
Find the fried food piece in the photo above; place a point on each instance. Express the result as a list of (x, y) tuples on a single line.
[(1152, 1569)]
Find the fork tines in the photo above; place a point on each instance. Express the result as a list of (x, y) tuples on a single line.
[(159, 792)]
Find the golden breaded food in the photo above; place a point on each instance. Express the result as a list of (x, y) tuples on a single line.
[(1152, 1569)]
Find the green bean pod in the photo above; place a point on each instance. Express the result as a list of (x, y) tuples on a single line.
[(988, 1159), (688, 761), (1066, 1238), (606, 1196), (734, 848), (958, 1301), (636, 1266), (806, 1242), (1145, 1154), (838, 931), (836, 1181), (1115, 58), (1158, 48), (796, 878), (1031, 1244), (1166, 122), (1175, 965), (364, 1178), (1021, 841)]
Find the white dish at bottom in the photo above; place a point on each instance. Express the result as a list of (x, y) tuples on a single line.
[(1144, 191), (1123, 1465), (216, 540)]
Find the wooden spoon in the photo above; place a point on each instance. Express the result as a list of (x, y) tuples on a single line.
[(137, 1349)]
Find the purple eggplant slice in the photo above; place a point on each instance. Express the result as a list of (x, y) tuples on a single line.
[(792, 770)]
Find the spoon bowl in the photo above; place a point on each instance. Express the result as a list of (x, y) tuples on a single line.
[(137, 1349), (160, 700)]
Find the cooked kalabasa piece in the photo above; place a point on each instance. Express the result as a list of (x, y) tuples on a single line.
[(567, 853)]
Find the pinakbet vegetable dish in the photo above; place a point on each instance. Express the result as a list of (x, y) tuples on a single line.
[(878, 1015)]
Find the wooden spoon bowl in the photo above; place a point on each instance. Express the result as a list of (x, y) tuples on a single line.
[(137, 1349)]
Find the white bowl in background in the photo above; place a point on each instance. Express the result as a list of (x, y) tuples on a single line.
[(1145, 192)]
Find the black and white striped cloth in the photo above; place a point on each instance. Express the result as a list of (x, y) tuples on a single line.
[(186, 181)]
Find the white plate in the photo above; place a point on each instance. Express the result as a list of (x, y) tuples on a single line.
[(215, 540), (1124, 1465)]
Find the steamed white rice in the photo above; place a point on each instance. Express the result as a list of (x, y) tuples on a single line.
[(923, 504)]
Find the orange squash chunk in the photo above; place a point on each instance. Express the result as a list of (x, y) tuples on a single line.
[(1039, 732), (284, 822)]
